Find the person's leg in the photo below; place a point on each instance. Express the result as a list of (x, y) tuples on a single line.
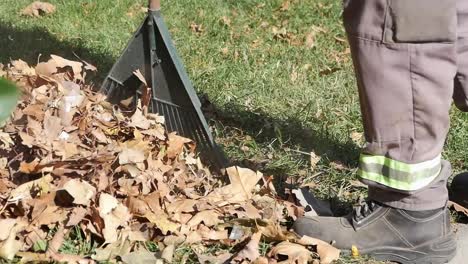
[(405, 77), (459, 187), (404, 54)]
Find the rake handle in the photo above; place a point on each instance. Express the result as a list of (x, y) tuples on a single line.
[(154, 5)]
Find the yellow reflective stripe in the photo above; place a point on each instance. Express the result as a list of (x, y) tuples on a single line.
[(398, 184), (401, 166)]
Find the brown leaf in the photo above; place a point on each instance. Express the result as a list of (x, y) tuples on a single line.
[(131, 156), (63, 63), (46, 68), (81, 191), (182, 206), (327, 252), (76, 216), (221, 258), (243, 182), (29, 167), (458, 208), (168, 253), (37, 9), (285, 5), (57, 241), (51, 215), (209, 218), (210, 234), (294, 252), (141, 256), (35, 110), (24, 190), (114, 215), (356, 137), (161, 221), (197, 28), (6, 224), (176, 145), (10, 246), (139, 120), (310, 39), (251, 250)]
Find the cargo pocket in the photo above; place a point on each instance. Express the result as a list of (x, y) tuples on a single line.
[(421, 21)]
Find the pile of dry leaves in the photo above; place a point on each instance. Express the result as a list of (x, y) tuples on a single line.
[(70, 159)]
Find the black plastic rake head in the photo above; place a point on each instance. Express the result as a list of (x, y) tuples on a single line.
[(152, 52)]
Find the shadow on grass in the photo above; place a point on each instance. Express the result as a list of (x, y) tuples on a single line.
[(37, 44), (28, 45)]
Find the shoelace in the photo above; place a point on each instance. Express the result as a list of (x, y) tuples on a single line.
[(364, 209)]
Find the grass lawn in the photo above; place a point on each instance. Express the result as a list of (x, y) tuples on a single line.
[(278, 76)]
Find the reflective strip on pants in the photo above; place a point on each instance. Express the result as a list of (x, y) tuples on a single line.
[(399, 175)]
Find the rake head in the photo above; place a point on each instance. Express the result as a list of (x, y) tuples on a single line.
[(152, 52)]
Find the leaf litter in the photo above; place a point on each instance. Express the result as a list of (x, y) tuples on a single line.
[(71, 159)]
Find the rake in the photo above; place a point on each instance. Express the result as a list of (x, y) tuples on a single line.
[(152, 52)]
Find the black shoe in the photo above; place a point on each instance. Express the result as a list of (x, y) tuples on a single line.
[(459, 189), (387, 233)]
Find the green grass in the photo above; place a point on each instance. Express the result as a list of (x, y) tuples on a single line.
[(271, 96)]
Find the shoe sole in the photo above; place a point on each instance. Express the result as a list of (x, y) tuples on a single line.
[(436, 252)]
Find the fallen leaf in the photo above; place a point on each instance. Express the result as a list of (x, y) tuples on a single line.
[(176, 145), (63, 63), (285, 5), (76, 216), (243, 182), (356, 137), (221, 258), (114, 215), (168, 253), (310, 40), (162, 222), (57, 241), (209, 218), (458, 207), (6, 224), (29, 167), (251, 250), (327, 252), (37, 9), (139, 257), (131, 156), (81, 191), (182, 206), (295, 253), (10, 247), (6, 139), (139, 120), (24, 190)]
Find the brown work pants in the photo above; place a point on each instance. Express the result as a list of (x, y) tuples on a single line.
[(410, 59)]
